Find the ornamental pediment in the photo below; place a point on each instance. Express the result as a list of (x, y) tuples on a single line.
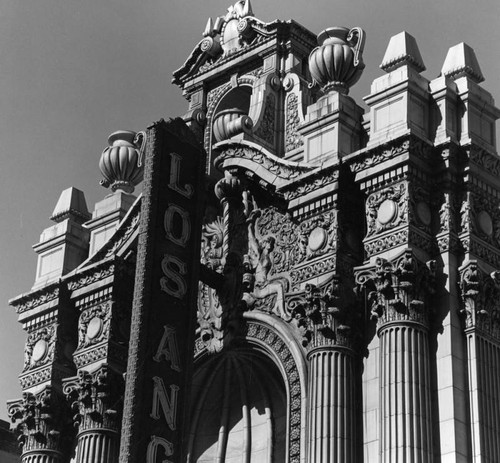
[(224, 39)]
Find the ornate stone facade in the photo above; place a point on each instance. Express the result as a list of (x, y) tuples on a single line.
[(342, 305)]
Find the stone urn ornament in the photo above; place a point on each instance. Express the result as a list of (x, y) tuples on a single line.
[(121, 161), (231, 122), (336, 63)]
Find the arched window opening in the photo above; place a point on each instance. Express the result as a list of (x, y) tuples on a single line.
[(239, 410)]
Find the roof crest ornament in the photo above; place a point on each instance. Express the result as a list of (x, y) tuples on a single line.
[(224, 37)]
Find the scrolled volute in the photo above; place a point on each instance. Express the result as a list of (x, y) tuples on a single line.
[(398, 290), (326, 317), (480, 294), (95, 398)]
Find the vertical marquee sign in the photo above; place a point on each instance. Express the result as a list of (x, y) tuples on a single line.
[(164, 311)]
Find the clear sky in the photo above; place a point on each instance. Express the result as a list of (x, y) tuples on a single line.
[(73, 71)]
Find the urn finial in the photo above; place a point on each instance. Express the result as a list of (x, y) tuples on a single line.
[(336, 64), (121, 161)]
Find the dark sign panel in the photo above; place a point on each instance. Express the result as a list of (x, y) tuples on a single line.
[(164, 313)]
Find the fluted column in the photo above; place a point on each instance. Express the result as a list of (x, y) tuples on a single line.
[(96, 401), (335, 377), (334, 406), (397, 293), (44, 427), (42, 457), (480, 296), (406, 428)]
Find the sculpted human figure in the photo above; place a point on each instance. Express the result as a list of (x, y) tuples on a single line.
[(259, 253)]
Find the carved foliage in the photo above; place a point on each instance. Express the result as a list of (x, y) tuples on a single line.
[(378, 155), (96, 399), (309, 185), (92, 276), (40, 347), (487, 161), (41, 420), (211, 244), (294, 244), (36, 299), (219, 307), (398, 290), (325, 317), (447, 214), (94, 325), (293, 140), (481, 299), (480, 214), (282, 169), (387, 208), (467, 214), (266, 127)]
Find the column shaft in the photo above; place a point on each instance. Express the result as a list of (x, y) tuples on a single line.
[(405, 400), (97, 446), (484, 393), (42, 457), (334, 427)]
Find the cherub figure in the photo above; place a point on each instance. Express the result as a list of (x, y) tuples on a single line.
[(259, 255)]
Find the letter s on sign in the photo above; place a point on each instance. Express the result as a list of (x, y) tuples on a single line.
[(173, 283)]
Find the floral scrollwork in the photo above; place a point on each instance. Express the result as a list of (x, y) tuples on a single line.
[(387, 208), (94, 324), (480, 293), (41, 420), (95, 398), (325, 316), (40, 347), (398, 289)]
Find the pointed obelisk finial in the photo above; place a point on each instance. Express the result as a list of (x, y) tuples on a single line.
[(461, 61), (208, 28), (247, 9), (402, 51)]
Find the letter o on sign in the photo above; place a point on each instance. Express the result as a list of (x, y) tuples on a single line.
[(177, 225)]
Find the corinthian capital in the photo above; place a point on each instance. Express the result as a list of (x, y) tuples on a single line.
[(480, 294), (95, 398), (398, 289), (326, 317), (42, 421)]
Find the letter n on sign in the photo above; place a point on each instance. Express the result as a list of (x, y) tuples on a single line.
[(161, 346)]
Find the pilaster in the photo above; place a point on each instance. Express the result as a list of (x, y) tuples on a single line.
[(43, 422), (333, 339), (397, 294), (480, 293), (96, 401), (102, 294)]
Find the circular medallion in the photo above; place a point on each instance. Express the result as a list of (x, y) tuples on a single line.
[(424, 213), (39, 350), (485, 223), (317, 239), (94, 328), (386, 211)]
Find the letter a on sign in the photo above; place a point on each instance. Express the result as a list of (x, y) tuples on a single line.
[(168, 349)]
